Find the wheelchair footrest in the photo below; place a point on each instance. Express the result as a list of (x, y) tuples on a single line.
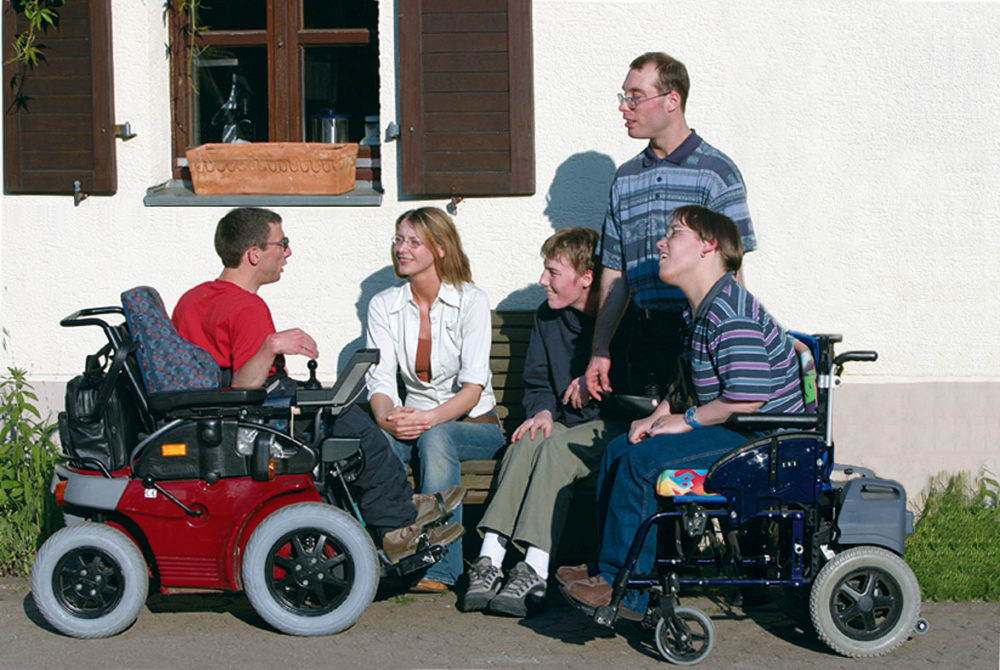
[(418, 561)]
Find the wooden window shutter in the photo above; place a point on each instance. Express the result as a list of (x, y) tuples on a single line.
[(59, 126), (466, 97)]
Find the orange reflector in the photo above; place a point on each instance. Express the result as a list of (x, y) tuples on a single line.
[(174, 449), (61, 492), (272, 470)]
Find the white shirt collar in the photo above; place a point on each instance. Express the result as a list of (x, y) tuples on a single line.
[(448, 294)]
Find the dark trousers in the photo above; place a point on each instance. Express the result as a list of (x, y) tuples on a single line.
[(383, 492)]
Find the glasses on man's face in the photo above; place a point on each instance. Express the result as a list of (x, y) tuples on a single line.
[(411, 242), (283, 243), (632, 102)]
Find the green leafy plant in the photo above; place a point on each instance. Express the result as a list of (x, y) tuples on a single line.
[(28, 513), (187, 16), (955, 548), (39, 15)]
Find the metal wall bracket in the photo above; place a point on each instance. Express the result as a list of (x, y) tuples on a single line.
[(124, 131), (78, 194), (392, 132)]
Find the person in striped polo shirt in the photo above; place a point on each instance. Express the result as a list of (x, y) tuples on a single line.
[(740, 361), (676, 168)]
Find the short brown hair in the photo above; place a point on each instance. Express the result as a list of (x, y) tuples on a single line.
[(710, 226), (240, 229), (673, 74), (577, 246), (437, 231)]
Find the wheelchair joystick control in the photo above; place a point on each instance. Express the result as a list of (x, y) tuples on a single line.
[(312, 384)]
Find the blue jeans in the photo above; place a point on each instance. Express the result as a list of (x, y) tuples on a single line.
[(438, 453), (626, 492)]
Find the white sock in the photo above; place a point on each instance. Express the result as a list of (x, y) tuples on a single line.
[(538, 560), (494, 548)]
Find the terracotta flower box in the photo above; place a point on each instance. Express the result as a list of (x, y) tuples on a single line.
[(266, 168)]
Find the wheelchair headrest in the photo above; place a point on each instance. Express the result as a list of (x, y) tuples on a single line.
[(167, 361)]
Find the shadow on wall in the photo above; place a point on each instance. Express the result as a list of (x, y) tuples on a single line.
[(578, 196), (370, 285)]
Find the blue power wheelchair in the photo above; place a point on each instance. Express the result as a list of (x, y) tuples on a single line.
[(173, 482), (769, 514)]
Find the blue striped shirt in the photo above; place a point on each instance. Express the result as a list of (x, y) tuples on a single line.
[(645, 191), (738, 352)]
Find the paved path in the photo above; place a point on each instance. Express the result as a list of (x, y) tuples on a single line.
[(426, 631)]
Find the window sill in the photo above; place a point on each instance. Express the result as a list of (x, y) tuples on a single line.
[(176, 193)]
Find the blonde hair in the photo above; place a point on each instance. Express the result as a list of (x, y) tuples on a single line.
[(576, 246), (436, 230)]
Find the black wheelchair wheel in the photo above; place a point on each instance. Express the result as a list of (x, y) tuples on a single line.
[(865, 602), (89, 580), (687, 639), (310, 569)]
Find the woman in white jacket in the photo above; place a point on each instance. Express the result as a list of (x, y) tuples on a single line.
[(434, 331)]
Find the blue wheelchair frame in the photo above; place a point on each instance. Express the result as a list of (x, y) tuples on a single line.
[(771, 516)]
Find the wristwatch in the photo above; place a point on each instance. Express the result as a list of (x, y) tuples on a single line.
[(689, 418)]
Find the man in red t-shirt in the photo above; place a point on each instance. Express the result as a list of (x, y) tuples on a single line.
[(228, 319)]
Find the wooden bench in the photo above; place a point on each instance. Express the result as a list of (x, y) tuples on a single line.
[(511, 331)]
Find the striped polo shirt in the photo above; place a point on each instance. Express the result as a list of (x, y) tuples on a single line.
[(645, 191), (738, 352)]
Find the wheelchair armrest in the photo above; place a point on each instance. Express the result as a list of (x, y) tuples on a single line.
[(759, 421), (342, 392), (173, 400)]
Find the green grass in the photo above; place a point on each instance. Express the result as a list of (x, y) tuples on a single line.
[(955, 548)]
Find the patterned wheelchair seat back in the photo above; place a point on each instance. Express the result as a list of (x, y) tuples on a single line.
[(167, 361)]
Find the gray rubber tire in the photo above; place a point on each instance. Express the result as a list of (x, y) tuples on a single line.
[(89, 580), (864, 602), (310, 569), (690, 646)]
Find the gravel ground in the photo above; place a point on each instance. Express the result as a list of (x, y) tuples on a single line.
[(426, 631)]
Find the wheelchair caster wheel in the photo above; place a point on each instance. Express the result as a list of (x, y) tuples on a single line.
[(686, 638), (922, 626)]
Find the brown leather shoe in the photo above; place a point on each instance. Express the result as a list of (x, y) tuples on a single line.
[(589, 594), (432, 507), (429, 586), (405, 541), (592, 592), (572, 573)]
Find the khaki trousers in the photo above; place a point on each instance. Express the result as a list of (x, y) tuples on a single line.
[(536, 480)]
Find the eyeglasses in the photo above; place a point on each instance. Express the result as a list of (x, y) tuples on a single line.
[(674, 231), (633, 102), (411, 242), (283, 242)]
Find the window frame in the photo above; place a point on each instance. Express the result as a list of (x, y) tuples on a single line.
[(282, 40)]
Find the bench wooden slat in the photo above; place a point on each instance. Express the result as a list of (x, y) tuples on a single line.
[(513, 317), (510, 350)]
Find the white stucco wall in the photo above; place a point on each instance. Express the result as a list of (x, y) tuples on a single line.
[(867, 133)]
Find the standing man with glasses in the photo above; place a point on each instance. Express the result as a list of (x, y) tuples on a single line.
[(676, 168), (228, 319)]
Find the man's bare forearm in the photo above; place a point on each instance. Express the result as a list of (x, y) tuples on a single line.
[(614, 300)]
